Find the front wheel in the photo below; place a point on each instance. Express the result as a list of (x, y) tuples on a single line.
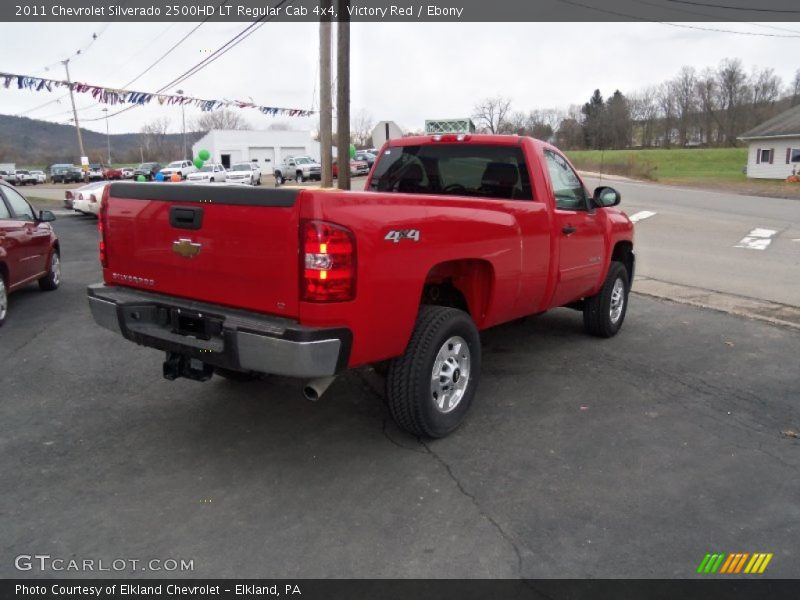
[(278, 179), (52, 280), (604, 312), (431, 386), (299, 177)]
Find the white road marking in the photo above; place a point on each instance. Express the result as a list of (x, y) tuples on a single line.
[(641, 215), (758, 239)]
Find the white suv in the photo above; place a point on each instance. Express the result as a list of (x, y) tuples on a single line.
[(244, 172), (181, 167)]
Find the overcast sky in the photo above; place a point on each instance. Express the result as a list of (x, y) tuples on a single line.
[(400, 72)]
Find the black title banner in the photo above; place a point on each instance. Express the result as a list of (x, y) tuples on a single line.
[(400, 10), (389, 589)]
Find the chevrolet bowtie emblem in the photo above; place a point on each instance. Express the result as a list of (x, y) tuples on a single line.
[(186, 248)]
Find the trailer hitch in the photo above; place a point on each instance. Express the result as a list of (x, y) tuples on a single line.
[(178, 365)]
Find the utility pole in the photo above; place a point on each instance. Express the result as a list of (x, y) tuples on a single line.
[(343, 95), (183, 117), (74, 111), (108, 138), (325, 106)]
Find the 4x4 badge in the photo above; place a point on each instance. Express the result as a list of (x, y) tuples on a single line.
[(186, 248)]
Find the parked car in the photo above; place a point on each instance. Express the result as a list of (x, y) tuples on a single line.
[(244, 172), (112, 173), (148, 169), (73, 175), (96, 171), (24, 177), (366, 157), (297, 168), (357, 167), (9, 177), (57, 172), (127, 172), (181, 167), (41, 177), (210, 172), (86, 199), (29, 248), (407, 272)]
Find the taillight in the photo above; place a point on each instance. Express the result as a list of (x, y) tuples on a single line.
[(101, 226), (328, 262)]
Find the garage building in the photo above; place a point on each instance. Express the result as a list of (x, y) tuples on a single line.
[(268, 148)]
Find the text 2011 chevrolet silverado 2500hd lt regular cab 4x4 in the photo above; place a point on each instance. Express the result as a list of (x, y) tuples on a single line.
[(454, 234)]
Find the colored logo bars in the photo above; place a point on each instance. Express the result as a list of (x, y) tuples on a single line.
[(728, 564)]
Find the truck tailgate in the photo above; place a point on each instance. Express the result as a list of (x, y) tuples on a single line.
[(230, 245)]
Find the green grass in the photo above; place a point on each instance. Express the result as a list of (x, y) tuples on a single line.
[(675, 166)]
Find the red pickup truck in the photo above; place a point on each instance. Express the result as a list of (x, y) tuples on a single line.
[(453, 234)]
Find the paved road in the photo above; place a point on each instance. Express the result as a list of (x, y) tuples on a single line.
[(693, 236), (629, 457)]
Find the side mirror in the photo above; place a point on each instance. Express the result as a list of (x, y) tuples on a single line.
[(46, 216), (606, 196)]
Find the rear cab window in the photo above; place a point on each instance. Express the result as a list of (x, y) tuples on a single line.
[(443, 169)]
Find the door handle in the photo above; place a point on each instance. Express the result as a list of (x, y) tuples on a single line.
[(568, 230)]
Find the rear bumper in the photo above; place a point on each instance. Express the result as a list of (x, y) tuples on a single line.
[(226, 337)]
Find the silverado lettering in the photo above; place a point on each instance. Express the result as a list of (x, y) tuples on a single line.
[(300, 282)]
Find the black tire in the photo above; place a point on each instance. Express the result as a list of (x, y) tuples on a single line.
[(408, 383), (235, 375), (597, 310), (298, 178), (278, 178), (52, 280), (3, 299)]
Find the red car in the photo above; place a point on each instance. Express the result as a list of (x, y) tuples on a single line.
[(112, 173), (453, 234), (29, 249)]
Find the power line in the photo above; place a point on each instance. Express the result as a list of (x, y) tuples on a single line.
[(726, 7), (222, 50), (705, 14), (681, 25)]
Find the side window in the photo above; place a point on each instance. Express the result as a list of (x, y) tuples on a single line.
[(567, 187), (4, 214), (20, 207)]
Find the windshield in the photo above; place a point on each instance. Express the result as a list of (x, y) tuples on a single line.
[(240, 167), (207, 169), (301, 161), (487, 171), (175, 163)]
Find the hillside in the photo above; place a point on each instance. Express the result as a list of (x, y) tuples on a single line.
[(30, 142)]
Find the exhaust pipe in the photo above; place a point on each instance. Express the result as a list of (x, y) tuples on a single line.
[(314, 389)]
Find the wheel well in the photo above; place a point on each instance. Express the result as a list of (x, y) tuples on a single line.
[(4, 272), (623, 252), (463, 284)]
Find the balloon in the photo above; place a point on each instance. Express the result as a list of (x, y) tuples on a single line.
[(141, 178), (204, 154), (198, 162), (175, 177), (352, 151), (159, 176)]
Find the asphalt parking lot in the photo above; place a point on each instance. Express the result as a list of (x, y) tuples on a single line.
[(629, 457)]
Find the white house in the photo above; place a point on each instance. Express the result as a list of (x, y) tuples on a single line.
[(268, 147), (774, 146)]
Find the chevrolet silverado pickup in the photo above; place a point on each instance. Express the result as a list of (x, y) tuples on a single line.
[(453, 234)]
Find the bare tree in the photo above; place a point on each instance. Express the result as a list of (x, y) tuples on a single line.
[(153, 139), (491, 114), (361, 129), (644, 113), (219, 119), (683, 92), (666, 104), (795, 89), (733, 93), (707, 97), (765, 89)]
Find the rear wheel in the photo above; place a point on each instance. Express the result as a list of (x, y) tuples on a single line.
[(52, 280), (3, 300), (431, 386), (604, 312)]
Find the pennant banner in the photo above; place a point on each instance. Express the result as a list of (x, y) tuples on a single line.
[(113, 96)]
